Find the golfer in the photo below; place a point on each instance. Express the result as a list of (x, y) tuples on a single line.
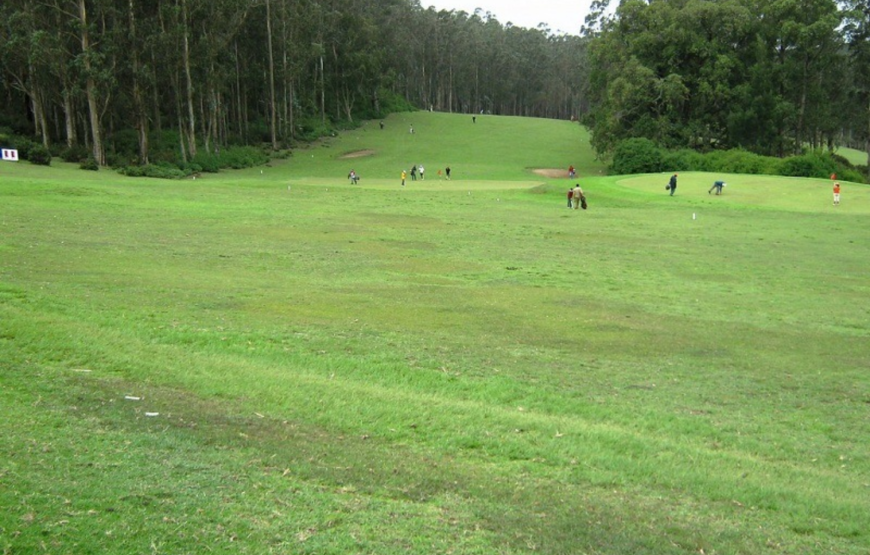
[(717, 186), (837, 193), (576, 195), (672, 184)]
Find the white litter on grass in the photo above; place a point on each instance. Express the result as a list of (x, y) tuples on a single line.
[(131, 398), (693, 215), (152, 414), (81, 370)]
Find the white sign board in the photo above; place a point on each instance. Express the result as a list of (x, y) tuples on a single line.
[(10, 154)]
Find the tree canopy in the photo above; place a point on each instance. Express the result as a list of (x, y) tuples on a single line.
[(770, 76)]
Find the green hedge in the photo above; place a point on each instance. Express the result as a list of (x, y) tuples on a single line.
[(644, 156), (637, 155)]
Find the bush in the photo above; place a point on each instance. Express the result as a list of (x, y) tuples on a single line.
[(24, 146), (153, 170), (190, 168), (242, 157), (739, 161), (637, 155), (120, 160), (391, 102), (684, 159), (40, 155), (312, 128), (855, 176), (89, 164), (813, 164), (75, 153), (207, 162)]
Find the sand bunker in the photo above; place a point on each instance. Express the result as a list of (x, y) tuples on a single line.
[(553, 174), (358, 154)]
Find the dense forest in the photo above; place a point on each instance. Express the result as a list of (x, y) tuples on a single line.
[(140, 81), (221, 72), (770, 76)]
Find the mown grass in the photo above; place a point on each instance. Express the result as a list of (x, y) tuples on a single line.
[(856, 157), (462, 367)]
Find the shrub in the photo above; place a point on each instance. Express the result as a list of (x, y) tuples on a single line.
[(207, 162), (637, 155), (89, 164), (120, 160), (190, 168), (684, 159), (75, 153), (124, 142), (311, 128), (739, 161), (153, 170), (391, 102), (40, 155), (24, 146), (239, 157), (855, 176), (813, 164)]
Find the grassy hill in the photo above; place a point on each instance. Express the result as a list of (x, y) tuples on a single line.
[(856, 157), (275, 361)]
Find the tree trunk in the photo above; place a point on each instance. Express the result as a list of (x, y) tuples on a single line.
[(68, 118), (141, 120), (91, 88), (273, 113), (191, 122)]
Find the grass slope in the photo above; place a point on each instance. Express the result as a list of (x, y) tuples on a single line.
[(280, 362), (856, 157)]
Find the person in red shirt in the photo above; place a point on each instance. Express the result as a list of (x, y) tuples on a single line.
[(570, 194), (836, 193)]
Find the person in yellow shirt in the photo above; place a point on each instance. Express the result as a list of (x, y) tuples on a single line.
[(403, 178)]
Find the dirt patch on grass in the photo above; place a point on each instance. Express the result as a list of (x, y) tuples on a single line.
[(551, 173), (358, 154)]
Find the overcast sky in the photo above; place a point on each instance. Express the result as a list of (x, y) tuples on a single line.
[(561, 16)]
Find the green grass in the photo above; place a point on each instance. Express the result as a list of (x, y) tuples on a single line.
[(856, 157), (453, 367)]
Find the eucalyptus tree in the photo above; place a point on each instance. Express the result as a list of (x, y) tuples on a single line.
[(19, 50), (83, 55), (140, 114), (803, 41), (857, 33)]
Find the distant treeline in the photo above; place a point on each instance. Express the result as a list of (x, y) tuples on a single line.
[(129, 82), (138, 82)]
